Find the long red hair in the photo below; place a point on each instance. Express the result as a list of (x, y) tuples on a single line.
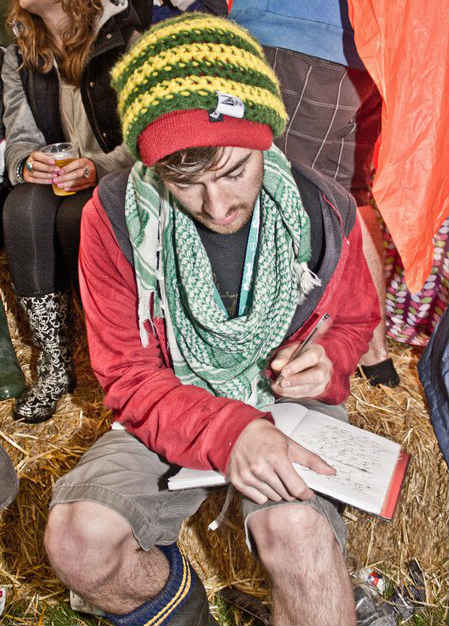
[(37, 46)]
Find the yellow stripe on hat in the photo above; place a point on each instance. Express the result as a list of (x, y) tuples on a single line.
[(186, 85), (172, 29), (186, 53), (167, 90)]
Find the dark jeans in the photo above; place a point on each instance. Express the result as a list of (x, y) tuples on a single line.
[(42, 234)]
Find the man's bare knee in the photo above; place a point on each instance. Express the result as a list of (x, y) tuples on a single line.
[(83, 541), (300, 552), (291, 530)]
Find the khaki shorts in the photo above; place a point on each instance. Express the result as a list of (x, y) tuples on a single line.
[(119, 472)]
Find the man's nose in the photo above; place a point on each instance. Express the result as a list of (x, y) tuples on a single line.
[(215, 202)]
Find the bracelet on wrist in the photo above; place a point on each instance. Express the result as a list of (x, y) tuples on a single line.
[(19, 170)]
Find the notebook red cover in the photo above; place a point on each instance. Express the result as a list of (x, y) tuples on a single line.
[(392, 496)]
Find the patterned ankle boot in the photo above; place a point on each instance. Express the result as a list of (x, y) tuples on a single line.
[(50, 320)]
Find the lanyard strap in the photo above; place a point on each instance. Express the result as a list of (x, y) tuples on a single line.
[(248, 267)]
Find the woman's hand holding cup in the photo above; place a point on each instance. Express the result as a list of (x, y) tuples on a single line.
[(58, 164), (75, 176), (40, 168)]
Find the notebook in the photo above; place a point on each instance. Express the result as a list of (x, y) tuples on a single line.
[(370, 468)]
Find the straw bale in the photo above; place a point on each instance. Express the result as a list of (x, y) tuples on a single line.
[(419, 529), (42, 453)]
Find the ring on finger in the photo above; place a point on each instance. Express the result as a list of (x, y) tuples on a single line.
[(86, 172), (29, 164)]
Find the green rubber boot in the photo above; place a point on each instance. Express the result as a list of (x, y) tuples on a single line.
[(9, 483), (12, 381)]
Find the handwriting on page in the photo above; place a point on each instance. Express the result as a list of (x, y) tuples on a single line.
[(359, 457), (365, 462)]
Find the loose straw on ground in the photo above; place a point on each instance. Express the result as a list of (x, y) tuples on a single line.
[(42, 453)]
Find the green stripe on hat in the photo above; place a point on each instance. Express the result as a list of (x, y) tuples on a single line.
[(182, 63)]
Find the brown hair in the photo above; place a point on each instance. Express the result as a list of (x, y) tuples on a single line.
[(186, 164), (37, 46)]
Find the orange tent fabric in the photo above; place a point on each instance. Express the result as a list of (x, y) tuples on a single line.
[(404, 45)]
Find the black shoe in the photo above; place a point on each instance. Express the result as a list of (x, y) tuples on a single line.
[(383, 373)]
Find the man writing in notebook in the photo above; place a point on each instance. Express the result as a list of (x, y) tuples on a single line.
[(202, 270)]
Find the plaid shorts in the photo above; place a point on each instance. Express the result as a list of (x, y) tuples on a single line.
[(334, 117), (121, 473)]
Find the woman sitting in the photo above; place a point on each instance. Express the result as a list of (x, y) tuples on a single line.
[(56, 89)]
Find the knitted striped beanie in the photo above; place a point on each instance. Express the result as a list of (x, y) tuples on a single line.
[(196, 80)]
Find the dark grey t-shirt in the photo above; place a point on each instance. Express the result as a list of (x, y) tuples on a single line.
[(227, 256)]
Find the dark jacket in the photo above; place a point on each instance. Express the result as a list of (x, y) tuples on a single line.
[(169, 9), (99, 98), (4, 181), (32, 116), (433, 371)]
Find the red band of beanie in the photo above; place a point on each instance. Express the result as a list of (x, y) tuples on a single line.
[(180, 130)]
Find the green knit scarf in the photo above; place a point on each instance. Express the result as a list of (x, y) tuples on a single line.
[(209, 350)]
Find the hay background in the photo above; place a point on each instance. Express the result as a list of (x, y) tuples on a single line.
[(42, 453)]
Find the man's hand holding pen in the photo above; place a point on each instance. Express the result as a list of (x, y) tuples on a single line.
[(306, 376), (260, 463), (303, 369)]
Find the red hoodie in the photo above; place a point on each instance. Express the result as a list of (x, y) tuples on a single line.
[(186, 424)]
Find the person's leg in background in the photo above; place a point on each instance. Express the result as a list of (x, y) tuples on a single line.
[(334, 121), (68, 221), (42, 286), (12, 380), (376, 364)]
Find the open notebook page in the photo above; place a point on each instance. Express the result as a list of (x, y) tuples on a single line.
[(365, 462)]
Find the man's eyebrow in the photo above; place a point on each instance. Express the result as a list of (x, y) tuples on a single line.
[(188, 181), (234, 167)]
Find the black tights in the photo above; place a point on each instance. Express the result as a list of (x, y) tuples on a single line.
[(42, 234)]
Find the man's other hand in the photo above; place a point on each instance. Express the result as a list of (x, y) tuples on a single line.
[(306, 376), (260, 464)]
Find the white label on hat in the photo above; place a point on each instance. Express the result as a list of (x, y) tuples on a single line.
[(228, 105)]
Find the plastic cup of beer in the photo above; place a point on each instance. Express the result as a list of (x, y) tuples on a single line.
[(62, 153)]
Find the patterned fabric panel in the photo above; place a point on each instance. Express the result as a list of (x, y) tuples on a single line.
[(411, 318)]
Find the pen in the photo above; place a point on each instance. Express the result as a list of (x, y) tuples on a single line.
[(300, 349)]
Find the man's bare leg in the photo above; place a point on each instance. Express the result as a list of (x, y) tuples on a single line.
[(310, 583), (93, 551)]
